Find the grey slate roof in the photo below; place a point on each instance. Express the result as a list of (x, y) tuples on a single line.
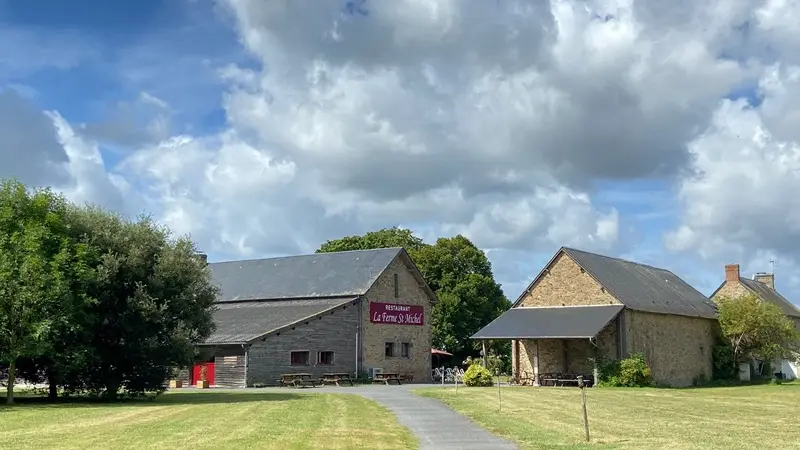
[(641, 287), (645, 288), (556, 322), (771, 295), (317, 275), (243, 322)]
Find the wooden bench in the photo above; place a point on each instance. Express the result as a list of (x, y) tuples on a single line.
[(297, 380), (386, 378), (336, 378)]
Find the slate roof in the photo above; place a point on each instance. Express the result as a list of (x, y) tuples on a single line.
[(243, 322), (771, 295), (305, 276), (641, 287), (556, 322)]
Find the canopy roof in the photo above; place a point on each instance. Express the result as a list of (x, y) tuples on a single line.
[(557, 322)]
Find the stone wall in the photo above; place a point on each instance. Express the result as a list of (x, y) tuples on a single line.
[(567, 284), (376, 335), (731, 289), (336, 332), (567, 355), (678, 349)]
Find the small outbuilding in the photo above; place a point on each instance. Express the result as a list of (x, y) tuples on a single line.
[(356, 312), (583, 307)]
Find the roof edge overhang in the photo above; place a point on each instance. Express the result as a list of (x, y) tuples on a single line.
[(281, 299), (349, 300), (619, 309)]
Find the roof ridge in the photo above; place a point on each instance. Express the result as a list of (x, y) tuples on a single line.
[(569, 306), (303, 255), (570, 249)]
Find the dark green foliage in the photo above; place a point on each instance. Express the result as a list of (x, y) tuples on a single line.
[(92, 302), (459, 273), (725, 367), (478, 376), (629, 372)]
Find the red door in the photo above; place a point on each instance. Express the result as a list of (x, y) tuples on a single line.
[(209, 373)]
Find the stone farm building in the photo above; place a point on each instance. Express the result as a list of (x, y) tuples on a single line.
[(582, 306), (346, 312), (763, 286)]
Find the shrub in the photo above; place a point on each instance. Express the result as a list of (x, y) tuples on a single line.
[(478, 376), (724, 367), (629, 372), (494, 363)]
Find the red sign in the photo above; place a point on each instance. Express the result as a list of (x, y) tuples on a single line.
[(396, 314)]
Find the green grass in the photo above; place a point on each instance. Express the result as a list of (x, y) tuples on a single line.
[(206, 420), (763, 417)]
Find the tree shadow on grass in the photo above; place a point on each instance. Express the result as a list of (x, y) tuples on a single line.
[(171, 398)]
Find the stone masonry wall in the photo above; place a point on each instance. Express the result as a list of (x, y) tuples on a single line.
[(410, 292), (731, 289), (335, 332), (566, 284), (678, 349), (567, 355)]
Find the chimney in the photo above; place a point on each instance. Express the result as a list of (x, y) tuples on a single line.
[(203, 257), (766, 278), (732, 272)]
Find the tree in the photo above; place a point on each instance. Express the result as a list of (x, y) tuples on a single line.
[(154, 299), (39, 266), (383, 238), (757, 329), (459, 273)]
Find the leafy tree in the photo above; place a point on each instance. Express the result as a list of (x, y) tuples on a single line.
[(384, 238), (153, 302), (459, 273), (757, 329), (40, 268)]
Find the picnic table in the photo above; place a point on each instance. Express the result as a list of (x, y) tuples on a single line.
[(336, 378), (563, 379), (387, 378), (297, 380)]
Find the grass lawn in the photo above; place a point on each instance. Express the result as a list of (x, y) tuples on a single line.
[(711, 418), (206, 420)]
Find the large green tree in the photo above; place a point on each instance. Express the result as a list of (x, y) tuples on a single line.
[(459, 273), (153, 301), (41, 269), (758, 329)]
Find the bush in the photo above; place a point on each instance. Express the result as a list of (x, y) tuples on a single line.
[(478, 376), (724, 365), (629, 372)]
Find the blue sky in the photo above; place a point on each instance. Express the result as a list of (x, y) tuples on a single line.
[(265, 132)]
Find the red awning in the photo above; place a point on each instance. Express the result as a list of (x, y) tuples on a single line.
[(440, 352)]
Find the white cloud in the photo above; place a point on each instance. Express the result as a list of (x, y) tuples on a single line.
[(499, 120)]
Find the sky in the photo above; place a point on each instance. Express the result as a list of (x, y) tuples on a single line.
[(660, 132)]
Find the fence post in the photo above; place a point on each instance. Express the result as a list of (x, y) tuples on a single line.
[(582, 386), (499, 396)]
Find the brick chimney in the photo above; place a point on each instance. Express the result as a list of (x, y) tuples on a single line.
[(766, 278), (732, 272)]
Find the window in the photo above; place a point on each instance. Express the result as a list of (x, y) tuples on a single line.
[(325, 358), (389, 349), (299, 358), (405, 349), (396, 286)]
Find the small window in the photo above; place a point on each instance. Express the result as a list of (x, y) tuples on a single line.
[(389, 349), (405, 350), (299, 358), (325, 358), (396, 286)]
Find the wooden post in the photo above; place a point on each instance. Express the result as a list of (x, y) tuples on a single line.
[(485, 355), (499, 399), (582, 386)]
